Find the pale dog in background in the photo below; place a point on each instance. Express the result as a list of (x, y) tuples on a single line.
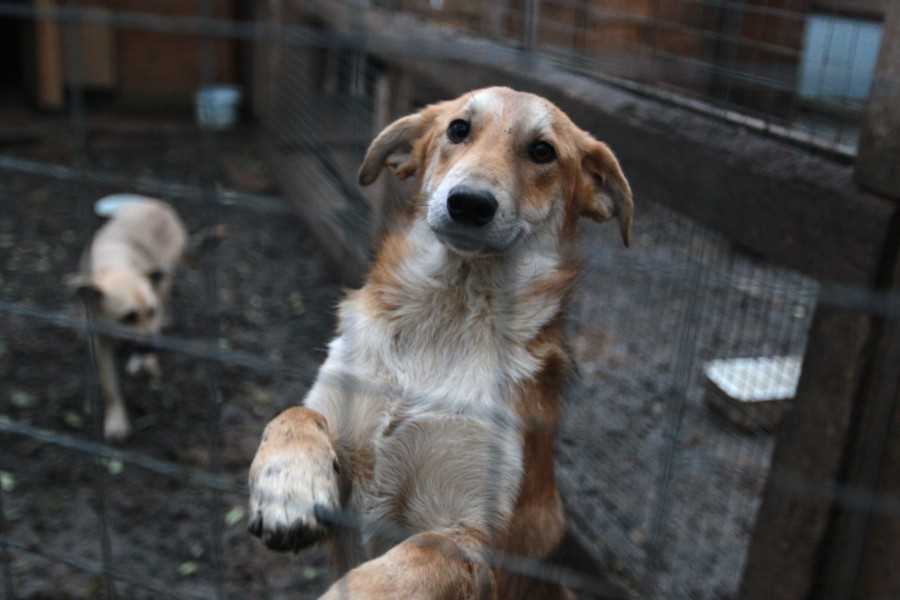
[(126, 276), (435, 413)]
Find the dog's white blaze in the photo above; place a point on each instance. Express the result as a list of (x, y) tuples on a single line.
[(484, 105)]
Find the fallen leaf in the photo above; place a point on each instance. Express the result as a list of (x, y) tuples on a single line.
[(295, 300), (234, 516), (7, 481), (73, 420), (114, 466), (22, 399)]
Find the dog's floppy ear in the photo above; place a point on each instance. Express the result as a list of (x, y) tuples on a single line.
[(605, 192), (397, 136), (84, 287)]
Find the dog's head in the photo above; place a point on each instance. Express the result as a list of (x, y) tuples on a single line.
[(496, 166), (123, 296)]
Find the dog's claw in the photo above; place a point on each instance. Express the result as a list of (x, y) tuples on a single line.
[(255, 525), (292, 503), (298, 537)]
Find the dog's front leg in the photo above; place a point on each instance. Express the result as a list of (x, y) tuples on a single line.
[(115, 421), (434, 565), (294, 480)]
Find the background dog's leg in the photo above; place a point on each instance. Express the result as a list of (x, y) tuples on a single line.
[(134, 364), (115, 422), (435, 565)]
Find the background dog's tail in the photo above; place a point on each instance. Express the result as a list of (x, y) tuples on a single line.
[(108, 205)]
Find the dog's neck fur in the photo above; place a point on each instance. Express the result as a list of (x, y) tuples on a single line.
[(515, 293), (479, 321)]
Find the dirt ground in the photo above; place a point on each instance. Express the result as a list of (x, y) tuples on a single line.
[(662, 490)]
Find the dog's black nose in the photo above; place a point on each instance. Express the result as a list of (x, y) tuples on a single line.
[(475, 208)]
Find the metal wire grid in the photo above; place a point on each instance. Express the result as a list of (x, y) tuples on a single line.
[(637, 424), (797, 69), (720, 304)]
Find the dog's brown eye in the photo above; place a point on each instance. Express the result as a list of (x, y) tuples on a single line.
[(541, 152), (129, 318), (458, 130)]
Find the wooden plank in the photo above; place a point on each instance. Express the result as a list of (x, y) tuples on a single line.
[(48, 46), (860, 558), (158, 69), (879, 145), (786, 204), (95, 51), (321, 204), (863, 549), (793, 520), (864, 9), (878, 576)]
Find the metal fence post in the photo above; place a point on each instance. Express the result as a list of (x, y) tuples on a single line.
[(530, 17)]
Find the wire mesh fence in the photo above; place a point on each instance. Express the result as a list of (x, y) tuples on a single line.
[(796, 69), (687, 348)]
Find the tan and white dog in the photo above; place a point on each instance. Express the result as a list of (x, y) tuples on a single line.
[(126, 276), (433, 418)]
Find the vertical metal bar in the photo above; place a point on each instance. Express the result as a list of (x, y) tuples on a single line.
[(5, 558), (584, 17), (357, 57), (730, 25), (96, 402), (212, 370), (826, 60), (782, 38), (841, 129), (530, 16), (73, 42)]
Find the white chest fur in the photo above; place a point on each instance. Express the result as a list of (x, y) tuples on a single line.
[(451, 349)]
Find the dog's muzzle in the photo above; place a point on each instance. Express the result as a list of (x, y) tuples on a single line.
[(470, 222)]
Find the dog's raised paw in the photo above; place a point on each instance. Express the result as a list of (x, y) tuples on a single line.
[(290, 498)]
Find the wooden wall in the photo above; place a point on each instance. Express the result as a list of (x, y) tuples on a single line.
[(138, 67)]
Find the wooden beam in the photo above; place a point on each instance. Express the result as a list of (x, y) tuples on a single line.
[(862, 551), (878, 161), (340, 229), (878, 576), (792, 522)]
